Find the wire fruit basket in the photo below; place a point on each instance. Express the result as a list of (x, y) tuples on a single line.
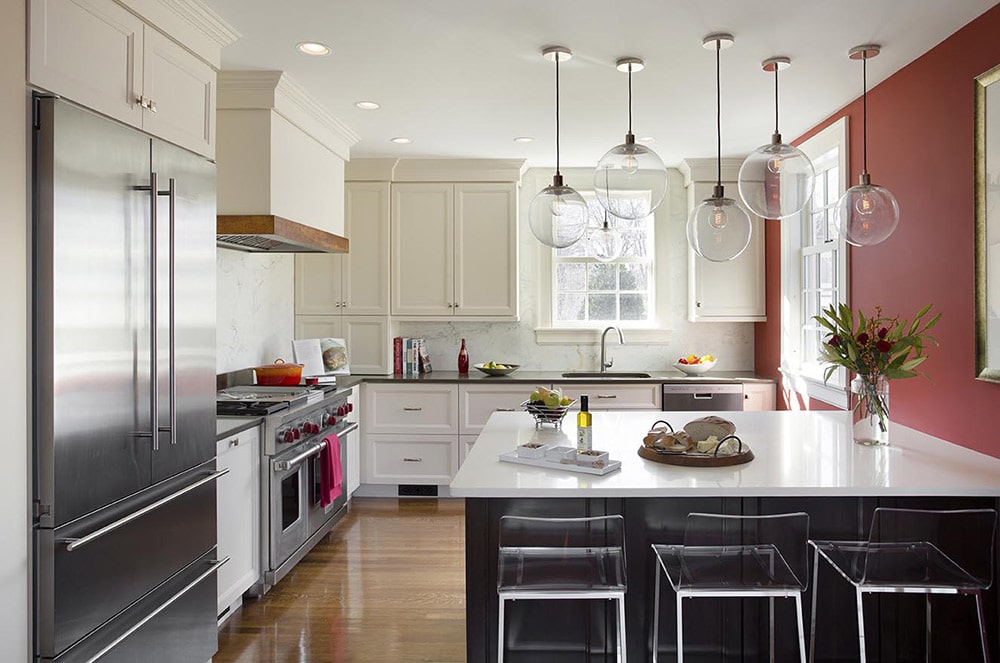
[(547, 414)]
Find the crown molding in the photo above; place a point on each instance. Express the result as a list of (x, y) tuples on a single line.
[(205, 19), (276, 91), (190, 23), (459, 170), (706, 169)]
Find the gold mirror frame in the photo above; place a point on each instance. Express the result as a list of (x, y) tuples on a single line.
[(987, 125)]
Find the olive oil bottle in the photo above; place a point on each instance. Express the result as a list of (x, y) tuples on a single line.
[(584, 431)]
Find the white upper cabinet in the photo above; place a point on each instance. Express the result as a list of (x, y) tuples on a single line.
[(731, 291), (354, 283), (454, 250), (100, 55)]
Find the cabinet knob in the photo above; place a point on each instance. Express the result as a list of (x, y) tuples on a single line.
[(235, 442), (746, 397), (698, 305), (152, 105), (456, 304)]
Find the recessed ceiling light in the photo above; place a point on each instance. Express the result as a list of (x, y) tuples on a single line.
[(401, 140), (647, 139), (313, 48), (523, 139), (367, 105)]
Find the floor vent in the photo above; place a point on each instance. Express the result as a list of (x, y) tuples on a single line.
[(418, 491)]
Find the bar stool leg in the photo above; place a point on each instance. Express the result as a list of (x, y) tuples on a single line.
[(656, 614), (770, 626), (861, 625), (500, 633), (927, 628), (680, 628), (812, 616), (621, 630), (982, 627), (802, 635)]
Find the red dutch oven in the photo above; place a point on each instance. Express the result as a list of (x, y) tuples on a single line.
[(279, 374)]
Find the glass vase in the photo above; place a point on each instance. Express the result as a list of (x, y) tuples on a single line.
[(870, 406)]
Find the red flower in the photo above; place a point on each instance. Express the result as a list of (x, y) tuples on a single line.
[(834, 340), (883, 346), (882, 332), (862, 338)]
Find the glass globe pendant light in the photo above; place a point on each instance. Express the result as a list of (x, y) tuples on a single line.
[(605, 243), (558, 214), (776, 180), (718, 229), (866, 214), (630, 180)]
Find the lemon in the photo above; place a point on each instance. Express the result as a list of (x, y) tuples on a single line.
[(565, 400)]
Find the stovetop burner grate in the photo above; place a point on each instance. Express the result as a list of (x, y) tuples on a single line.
[(249, 408)]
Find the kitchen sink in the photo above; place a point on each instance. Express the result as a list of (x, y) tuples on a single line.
[(606, 374)]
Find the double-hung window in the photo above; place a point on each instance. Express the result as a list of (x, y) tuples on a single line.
[(590, 293), (814, 268)]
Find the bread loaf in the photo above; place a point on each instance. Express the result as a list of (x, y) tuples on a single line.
[(679, 441), (706, 427)]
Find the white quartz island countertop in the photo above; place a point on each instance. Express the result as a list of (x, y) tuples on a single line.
[(796, 453)]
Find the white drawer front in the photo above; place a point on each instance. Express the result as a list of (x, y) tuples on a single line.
[(411, 409), (431, 459), (477, 403), (615, 396)]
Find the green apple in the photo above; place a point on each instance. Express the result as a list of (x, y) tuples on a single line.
[(552, 399)]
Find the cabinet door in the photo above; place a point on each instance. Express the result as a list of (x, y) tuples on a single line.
[(423, 228), (318, 284), (180, 91), (731, 291), (411, 409), (759, 396), (319, 326), (369, 344), (477, 402), (411, 459), (238, 521), (614, 396), (366, 267), (486, 249), (89, 51)]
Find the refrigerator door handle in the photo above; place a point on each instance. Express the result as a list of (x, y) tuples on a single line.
[(171, 248), (74, 543), (215, 564), (154, 387)]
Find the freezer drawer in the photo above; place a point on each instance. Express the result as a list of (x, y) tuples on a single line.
[(89, 570), (702, 397), (174, 624)]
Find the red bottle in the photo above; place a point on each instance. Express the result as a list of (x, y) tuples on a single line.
[(463, 359)]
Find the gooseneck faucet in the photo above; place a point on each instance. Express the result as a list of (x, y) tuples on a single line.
[(605, 365)]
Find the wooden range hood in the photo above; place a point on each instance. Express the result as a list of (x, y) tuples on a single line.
[(274, 234)]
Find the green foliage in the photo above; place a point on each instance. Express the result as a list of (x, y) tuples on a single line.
[(875, 346)]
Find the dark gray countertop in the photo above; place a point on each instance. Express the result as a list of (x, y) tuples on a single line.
[(475, 376), (229, 426)]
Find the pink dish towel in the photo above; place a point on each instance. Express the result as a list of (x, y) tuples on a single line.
[(331, 473)]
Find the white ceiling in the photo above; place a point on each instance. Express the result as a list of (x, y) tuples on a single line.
[(462, 78)]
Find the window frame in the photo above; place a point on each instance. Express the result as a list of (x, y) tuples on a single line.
[(806, 376)]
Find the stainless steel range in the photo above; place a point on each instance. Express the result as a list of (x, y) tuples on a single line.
[(296, 422)]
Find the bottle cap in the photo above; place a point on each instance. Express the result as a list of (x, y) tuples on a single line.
[(584, 402)]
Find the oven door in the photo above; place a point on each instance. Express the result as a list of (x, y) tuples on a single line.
[(290, 481), (320, 515)]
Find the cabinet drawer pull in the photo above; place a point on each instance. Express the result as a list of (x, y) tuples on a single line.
[(505, 409), (412, 460), (607, 395), (235, 442), (412, 409)]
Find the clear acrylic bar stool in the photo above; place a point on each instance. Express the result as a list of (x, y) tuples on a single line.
[(736, 556), (915, 551), (562, 558)]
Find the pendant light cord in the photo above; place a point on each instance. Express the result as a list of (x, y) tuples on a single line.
[(557, 113), (864, 106), (718, 113), (776, 97), (630, 97)]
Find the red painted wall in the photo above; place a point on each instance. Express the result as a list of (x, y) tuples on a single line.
[(920, 147)]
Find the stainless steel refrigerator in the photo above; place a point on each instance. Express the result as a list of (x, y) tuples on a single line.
[(124, 393)]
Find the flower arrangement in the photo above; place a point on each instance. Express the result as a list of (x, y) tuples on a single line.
[(876, 349)]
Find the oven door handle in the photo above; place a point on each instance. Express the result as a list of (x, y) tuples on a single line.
[(350, 429), (74, 543), (282, 465)]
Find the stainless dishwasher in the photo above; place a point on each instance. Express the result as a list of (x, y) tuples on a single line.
[(702, 396)]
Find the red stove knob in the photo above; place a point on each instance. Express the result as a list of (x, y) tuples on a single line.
[(307, 428), (289, 436), (296, 433), (350, 407), (330, 420), (342, 410)]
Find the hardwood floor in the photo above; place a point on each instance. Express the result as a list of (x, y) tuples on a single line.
[(387, 584)]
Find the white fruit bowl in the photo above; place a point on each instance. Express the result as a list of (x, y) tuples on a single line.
[(695, 369)]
